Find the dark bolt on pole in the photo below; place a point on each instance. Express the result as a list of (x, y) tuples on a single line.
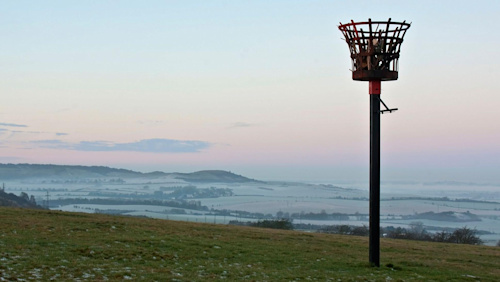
[(375, 173)]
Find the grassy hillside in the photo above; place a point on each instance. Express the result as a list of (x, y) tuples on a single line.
[(44, 245)]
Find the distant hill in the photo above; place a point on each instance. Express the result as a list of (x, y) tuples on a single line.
[(213, 176), (49, 171), (33, 171)]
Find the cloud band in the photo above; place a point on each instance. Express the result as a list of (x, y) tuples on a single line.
[(147, 146)]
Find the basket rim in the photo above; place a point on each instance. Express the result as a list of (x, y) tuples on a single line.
[(402, 24)]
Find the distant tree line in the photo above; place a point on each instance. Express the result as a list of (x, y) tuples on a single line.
[(194, 192), (441, 199), (182, 192), (282, 223), (194, 205), (85, 181), (323, 215), (344, 229), (445, 216), (416, 231)]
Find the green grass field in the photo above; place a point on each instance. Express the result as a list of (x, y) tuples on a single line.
[(47, 245)]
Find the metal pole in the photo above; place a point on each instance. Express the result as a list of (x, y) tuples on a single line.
[(375, 173)]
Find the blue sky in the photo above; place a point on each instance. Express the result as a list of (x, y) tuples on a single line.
[(261, 88)]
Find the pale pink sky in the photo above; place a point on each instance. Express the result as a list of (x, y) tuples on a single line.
[(260, 88)]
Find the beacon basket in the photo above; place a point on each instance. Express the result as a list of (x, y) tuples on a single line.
[(374, 47)]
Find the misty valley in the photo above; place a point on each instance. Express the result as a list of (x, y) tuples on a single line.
[(224, 198)]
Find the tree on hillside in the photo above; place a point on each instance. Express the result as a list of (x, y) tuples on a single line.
[(465, 235), (360, 230), (283, 223), (417, 231), (24, 196), (397, 233), (442, 236), (11, 200)]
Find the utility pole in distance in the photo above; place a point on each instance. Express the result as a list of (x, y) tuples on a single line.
[(47, 199), (374, 48)]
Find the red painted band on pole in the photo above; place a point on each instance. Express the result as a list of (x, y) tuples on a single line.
[(374, 87)]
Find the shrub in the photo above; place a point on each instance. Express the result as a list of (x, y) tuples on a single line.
[(462, 235), (360, 231), (442, 236), (465, 235), (283, 223)]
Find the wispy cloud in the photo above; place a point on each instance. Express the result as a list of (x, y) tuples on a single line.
[(150, 122), (29, 132), (35, 132), (241, 124), (12, 125), (147, 146)]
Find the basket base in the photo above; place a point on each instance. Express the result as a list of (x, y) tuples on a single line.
[(367, 75)]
